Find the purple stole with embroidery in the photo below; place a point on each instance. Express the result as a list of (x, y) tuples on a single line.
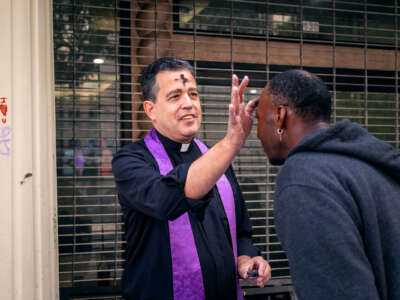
[(186, 271)]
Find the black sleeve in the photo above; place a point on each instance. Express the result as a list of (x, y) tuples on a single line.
[(324, 246), (243, 225), (141, 187)]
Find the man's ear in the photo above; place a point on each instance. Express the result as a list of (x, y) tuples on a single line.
[(280, 114), (148, 107)]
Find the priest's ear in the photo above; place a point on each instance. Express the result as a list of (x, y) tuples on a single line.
[(148, 107)]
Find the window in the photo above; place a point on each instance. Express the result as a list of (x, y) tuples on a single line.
[(101, 47), (321, 21)]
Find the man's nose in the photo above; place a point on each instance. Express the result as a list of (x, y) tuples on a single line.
[(187, 101)]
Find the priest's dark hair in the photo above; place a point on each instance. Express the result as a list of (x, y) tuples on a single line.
[(148, 80), (304, 92)]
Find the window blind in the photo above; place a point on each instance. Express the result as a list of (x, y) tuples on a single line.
[(100, 49)]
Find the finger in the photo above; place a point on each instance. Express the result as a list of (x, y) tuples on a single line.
[(242, 87), (252, 281), (243, 84), (250, 265), (244, 275), (235, 80), (232, 115), (242, 111), (260, 282), (251, 106), (243, 272), (235, 99), (262, 265)]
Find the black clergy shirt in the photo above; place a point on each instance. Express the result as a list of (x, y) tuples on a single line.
[(148, 200)]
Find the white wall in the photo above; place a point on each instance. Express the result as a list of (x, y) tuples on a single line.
[(28, 220)]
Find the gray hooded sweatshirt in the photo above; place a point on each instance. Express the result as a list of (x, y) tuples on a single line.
[(337, 215)]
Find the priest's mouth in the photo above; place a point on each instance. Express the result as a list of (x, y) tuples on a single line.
[(188, 117)]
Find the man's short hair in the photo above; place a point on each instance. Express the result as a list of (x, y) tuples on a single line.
[(148, 80), (304, 92)]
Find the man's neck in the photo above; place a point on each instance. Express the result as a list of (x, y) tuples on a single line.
[(299, 129)]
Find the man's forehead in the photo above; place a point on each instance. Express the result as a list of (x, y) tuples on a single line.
[(264, 93), (265, 99), (266, 88)]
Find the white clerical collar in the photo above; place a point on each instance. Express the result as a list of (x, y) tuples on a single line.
[(185, 147)]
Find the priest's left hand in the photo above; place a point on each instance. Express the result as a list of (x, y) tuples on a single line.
[(246, 263)]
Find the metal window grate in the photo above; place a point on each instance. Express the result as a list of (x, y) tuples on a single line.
[(352, 45)]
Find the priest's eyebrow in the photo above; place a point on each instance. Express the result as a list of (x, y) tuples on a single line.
[(175, 91), (179, 91)]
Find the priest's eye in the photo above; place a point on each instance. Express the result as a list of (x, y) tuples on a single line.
[(174, 97)]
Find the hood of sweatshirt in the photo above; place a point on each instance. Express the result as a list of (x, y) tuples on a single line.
[(350, 139)]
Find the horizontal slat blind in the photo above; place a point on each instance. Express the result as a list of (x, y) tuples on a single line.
[(88, 107), (352, 45)]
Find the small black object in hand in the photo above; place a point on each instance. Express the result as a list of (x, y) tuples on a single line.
[(252, 273)]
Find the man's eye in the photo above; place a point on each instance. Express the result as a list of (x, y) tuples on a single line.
[(174, 97), (195, 95)]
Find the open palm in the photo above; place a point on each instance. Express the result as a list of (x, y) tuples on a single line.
[(240, 115)]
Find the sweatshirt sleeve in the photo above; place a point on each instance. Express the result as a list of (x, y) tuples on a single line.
[(324, 246), (141, 187)]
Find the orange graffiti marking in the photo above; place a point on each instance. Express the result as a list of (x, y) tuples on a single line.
[(3, 109)]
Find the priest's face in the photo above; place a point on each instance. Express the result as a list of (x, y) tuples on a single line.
[(176, 113)]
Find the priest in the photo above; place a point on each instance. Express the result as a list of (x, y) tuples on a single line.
[(187, 228)]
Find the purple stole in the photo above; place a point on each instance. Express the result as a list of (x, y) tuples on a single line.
[(186, 271)]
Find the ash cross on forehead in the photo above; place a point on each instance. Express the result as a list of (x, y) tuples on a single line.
[(184, 79)]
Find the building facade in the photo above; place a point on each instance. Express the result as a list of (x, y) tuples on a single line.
[(80, 99)]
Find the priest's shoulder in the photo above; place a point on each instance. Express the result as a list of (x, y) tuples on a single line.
[(136, 149)]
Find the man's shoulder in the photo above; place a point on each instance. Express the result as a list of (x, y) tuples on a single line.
[(302, 163), (315, 161), (312, 169)]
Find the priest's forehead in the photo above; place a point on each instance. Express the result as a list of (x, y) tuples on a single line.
[(175, 81), (182, 76), (184, 79)]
